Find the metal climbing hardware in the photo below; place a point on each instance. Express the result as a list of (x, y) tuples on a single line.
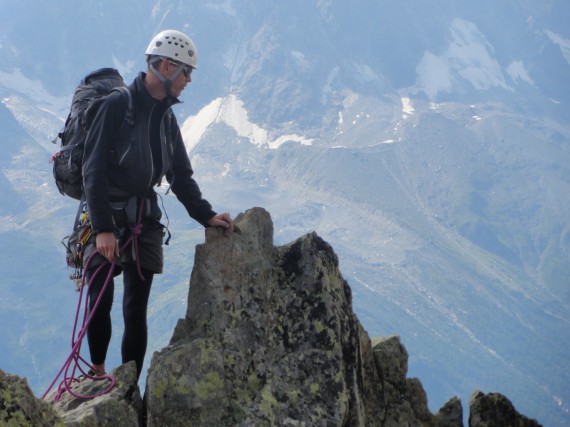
[(77, 277), (75, 247), (85, 227)]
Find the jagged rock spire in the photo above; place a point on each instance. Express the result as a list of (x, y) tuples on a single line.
[(270, 338)]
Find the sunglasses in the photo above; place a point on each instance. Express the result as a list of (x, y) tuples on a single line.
[(186, 69)]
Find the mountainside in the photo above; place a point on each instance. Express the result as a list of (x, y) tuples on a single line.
[(428, 143)]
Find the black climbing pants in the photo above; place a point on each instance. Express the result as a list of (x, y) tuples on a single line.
[(135, 302)]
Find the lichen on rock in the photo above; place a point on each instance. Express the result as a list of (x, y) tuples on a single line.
[(279, 331)]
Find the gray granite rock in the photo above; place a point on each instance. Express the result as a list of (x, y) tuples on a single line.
[(122, 406), (19, 406), (494, 409)]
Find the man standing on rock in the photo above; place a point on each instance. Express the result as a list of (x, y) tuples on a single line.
[(121, 165)]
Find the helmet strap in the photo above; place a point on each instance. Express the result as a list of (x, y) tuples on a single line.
[(167, 83)]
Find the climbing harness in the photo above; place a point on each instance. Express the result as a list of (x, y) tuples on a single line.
[(73, 364)]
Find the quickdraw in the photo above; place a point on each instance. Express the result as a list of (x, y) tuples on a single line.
[(74, 245)]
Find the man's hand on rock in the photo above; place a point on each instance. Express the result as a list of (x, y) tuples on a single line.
[(223, 220)]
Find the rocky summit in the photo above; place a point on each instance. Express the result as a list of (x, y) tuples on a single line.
[(269, 339)]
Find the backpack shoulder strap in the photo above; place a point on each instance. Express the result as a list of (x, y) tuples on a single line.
[(129, 116)]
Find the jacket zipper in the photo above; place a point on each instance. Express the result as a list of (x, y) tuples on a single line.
[(125, 155), (163, 148), (163, 145), (149, 185)]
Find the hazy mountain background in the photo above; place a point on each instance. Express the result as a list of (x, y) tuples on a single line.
[(428, 142)]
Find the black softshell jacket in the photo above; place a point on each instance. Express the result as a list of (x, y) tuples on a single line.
[(118, 155)]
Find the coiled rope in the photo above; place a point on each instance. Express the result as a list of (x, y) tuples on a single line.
[(73, 364)]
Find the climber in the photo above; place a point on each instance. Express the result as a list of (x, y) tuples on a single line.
[(121, 165)]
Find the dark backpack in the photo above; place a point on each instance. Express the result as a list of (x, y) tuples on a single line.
[(68, 161)]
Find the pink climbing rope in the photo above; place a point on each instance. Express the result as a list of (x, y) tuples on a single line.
[(72, 364)]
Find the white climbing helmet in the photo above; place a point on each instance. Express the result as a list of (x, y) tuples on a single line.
[(174, 45)]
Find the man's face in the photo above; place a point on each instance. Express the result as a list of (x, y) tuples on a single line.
[(181, 80)]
